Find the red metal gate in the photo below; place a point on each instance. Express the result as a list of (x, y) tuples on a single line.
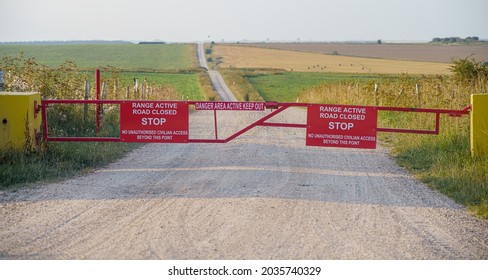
[(327, 124)]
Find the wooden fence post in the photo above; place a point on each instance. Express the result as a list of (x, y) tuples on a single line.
[(104, 96), (419, 95), (2, 81), (115, 96), (136, 88), (376, 89)]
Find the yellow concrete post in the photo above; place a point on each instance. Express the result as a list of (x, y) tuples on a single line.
[(20, 119), (479, 125)]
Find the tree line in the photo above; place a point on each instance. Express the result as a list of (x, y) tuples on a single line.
[(452, 40)]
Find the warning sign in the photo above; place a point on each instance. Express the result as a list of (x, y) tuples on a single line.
[(341, 126), (154, 121), (237, 106)]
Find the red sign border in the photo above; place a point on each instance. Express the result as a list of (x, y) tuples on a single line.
[(315, 125), (127, 120)]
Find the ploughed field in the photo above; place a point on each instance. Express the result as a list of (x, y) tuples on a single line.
[(415, 52)]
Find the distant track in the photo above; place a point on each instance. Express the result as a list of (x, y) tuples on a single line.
[(220, 86), (201, 56), (215, 77)]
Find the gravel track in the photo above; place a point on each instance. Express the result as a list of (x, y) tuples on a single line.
[(262, 196)]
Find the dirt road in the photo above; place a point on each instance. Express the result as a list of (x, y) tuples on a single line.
[(216, 78), (263, 196)]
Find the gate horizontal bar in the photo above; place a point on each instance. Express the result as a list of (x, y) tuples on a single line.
[(291, 125), (452, 113)]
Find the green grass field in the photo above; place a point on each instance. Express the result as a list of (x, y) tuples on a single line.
[(186, 85), (125, 56), (287, 86)]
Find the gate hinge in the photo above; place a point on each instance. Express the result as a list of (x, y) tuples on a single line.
[(37, 109)]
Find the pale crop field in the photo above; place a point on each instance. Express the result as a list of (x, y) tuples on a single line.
[(235, 56)]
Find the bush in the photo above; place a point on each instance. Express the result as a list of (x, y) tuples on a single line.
[(469, 72)]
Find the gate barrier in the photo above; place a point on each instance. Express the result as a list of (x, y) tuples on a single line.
[(168, 121)]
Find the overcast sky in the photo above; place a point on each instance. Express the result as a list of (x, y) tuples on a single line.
[(238, 20)]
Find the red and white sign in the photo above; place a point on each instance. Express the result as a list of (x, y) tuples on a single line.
[(341, 126), (237, 106), (154, 121)]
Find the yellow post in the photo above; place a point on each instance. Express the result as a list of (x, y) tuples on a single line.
[(479, 125), (20, 119)]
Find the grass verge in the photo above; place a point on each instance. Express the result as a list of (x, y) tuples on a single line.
[(444, 163), (56, 161)]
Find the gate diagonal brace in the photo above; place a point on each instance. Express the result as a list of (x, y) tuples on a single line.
[(261, 122)]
